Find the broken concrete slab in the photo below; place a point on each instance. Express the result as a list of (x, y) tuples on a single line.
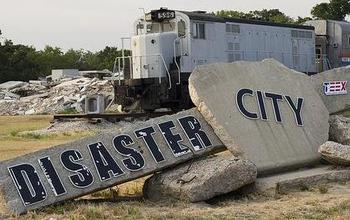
[(298, 180), (335, 153), (201, 179), (12, 84), (263, 111), (332, 86), (339, 129), (75, 169), (8, 96), (30, 112)]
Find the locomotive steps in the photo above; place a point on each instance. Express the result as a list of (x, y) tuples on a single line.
[(269, 117)]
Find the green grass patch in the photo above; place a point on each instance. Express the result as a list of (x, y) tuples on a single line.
[(11, 125), (68, 111)]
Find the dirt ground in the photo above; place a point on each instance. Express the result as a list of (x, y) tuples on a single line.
[(126, 202)]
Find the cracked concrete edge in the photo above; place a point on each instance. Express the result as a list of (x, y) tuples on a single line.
[(280, 184), (219, 130)]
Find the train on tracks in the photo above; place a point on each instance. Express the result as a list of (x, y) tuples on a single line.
[(167, 45)]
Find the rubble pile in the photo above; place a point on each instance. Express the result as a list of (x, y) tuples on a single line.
[(36, 97)]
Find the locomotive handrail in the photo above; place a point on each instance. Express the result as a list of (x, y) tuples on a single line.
[(150, 55), (177, 65), (166, 68)]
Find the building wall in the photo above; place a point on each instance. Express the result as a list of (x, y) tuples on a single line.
[(64, 73)]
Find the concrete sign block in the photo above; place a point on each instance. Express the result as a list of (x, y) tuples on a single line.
[(94, 163), (263, 111), (333, 86)]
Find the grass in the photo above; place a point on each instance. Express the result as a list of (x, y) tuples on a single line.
[(16, 124), (15, 140), (69, 111), (125, 201)]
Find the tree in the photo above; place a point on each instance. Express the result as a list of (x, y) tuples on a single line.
[(17, 62), (301, 20), (334, 10), (231, 14), (20, 62), (271, 15)]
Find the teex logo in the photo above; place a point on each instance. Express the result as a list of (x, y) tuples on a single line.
[(261, 97)]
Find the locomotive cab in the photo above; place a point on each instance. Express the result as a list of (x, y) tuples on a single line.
[(154, 75)]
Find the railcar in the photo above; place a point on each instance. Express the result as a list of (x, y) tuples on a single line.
[(332, 43)]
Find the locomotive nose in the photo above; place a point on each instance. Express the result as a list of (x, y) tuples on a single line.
[(152, 55)]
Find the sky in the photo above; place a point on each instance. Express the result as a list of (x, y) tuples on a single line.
[(94, 24)]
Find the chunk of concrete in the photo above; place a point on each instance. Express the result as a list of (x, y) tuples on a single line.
[(30, 112), (201, 180), (263, 111), (298, 180), (94, 163), (339, 129), (335, 153), (332, 86), (12, 84)]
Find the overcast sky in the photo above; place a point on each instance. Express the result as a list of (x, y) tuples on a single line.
[(92, 24)]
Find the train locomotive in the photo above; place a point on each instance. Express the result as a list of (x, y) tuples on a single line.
[(167, 45)]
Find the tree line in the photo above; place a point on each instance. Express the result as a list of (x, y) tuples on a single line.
[(21, 62), (334, 10)]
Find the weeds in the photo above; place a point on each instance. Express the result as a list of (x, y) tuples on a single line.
[(68, 111), (94, 212), (14, 133), (323, 189)]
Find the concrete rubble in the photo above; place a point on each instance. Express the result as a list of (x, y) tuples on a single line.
[(11, 85), (41, 97), (339, 129), (335, 153), (297, 180), (201, 180)]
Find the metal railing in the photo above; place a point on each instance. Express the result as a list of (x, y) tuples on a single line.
[(118, 68)]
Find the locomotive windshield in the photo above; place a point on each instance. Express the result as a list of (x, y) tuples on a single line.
[(156, 27)]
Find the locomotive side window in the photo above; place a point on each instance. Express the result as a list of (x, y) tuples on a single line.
[(199, 30), (318, 53), (181, 28)]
